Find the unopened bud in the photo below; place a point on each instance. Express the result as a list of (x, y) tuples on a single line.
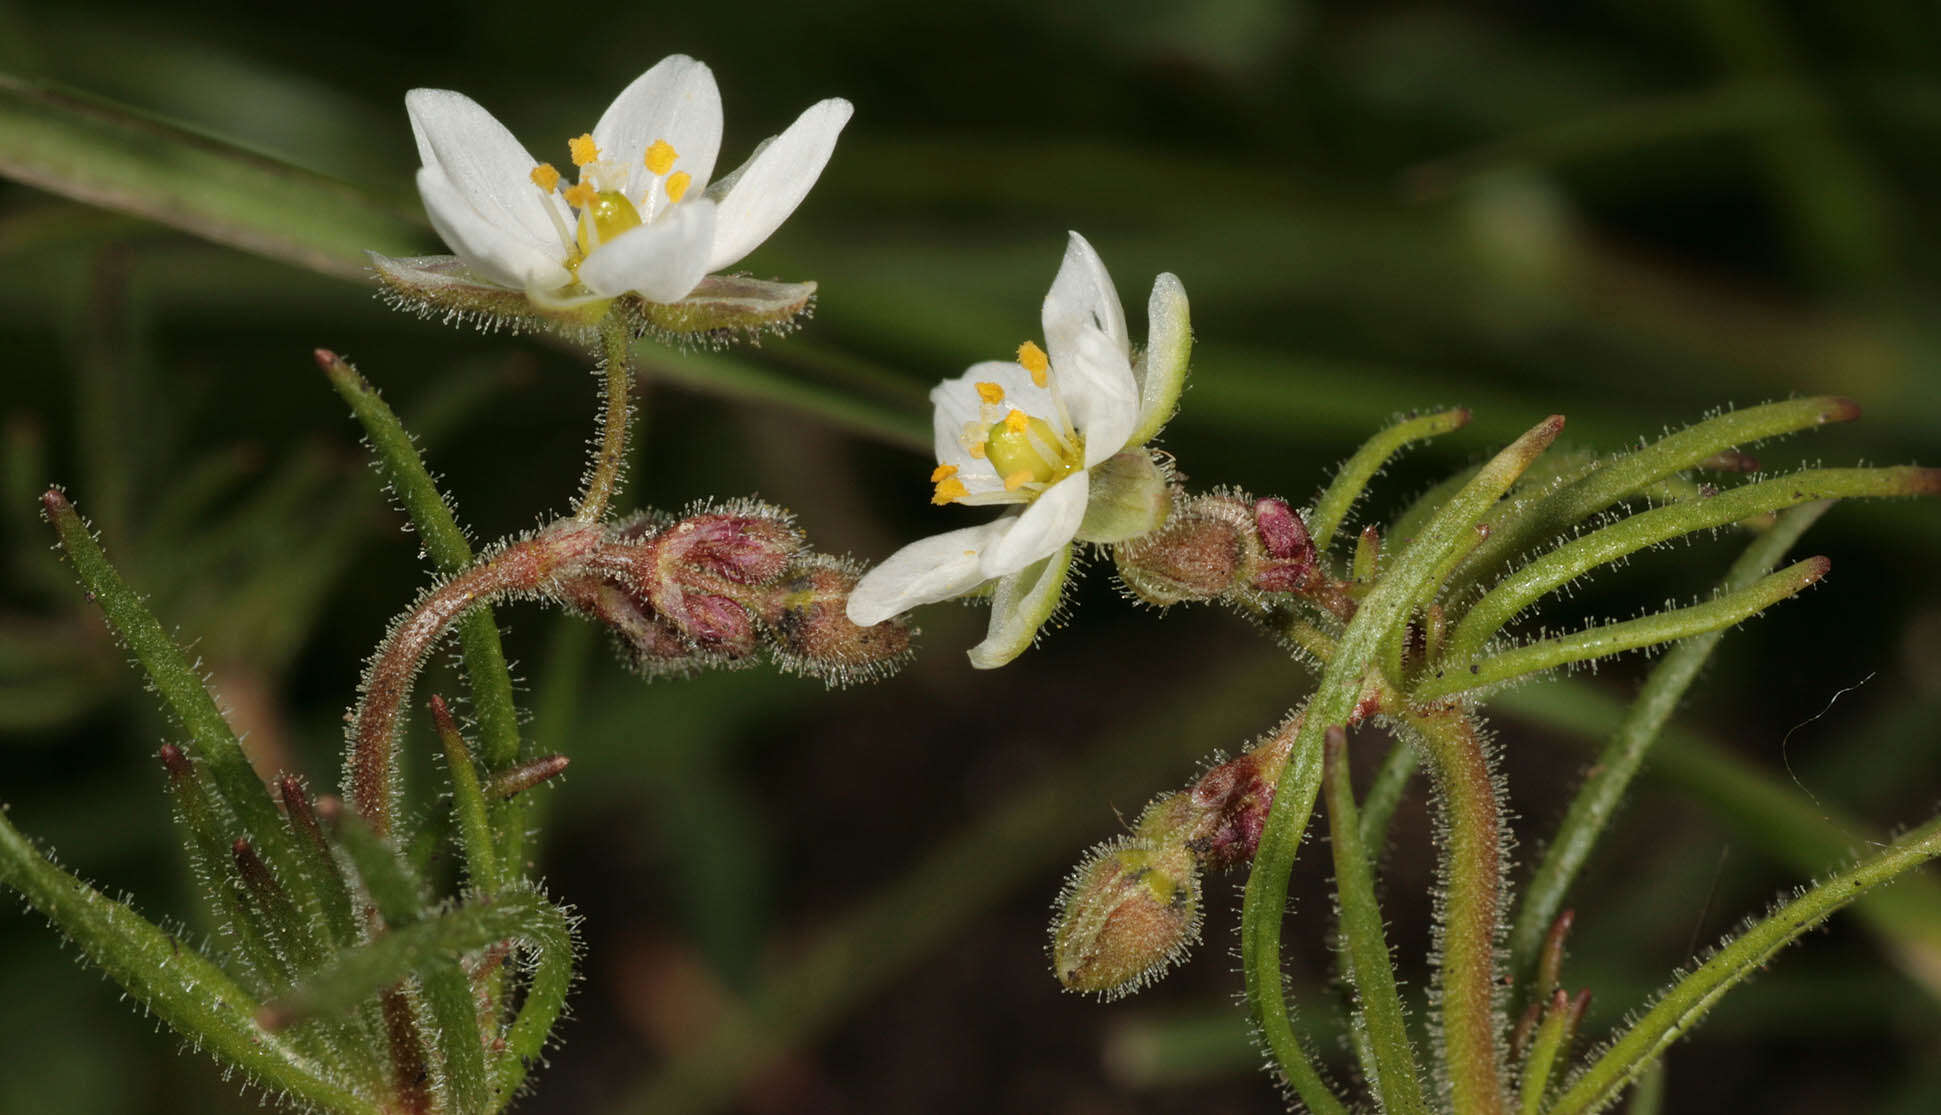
[(1226, 542), (1288, 555), (1199, 555), (812, 634), (1129, 912)]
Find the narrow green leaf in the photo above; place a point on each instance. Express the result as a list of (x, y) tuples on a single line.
[(1604, 787), (1608, 639), (484, 654), (1390, 1062), (1647, 528), (179, 684), (182, 987), (1517, 528), (1352, 480), (1601, 1082)]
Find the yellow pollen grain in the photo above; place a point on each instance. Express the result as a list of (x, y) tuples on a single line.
[(677, 184), (1017, 421), (580, 195), (990, 392), (660, 157), (976, 449), (546, 177), (583, 149), (942, 473), (1017, 480), (1034, 360), (949, 490)]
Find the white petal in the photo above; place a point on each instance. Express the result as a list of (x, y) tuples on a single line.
[(924, 572), (774, 181), (676, 101), (1096, 383), (1020, 605), (1082, 295), (487, 167), (958, 404), (662, 261), (496, 252), (1050, 522)]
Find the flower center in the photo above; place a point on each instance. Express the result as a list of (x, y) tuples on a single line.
[(1026, 450), (601, 206)]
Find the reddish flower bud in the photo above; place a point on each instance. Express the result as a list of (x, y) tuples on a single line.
[(1289, 552)]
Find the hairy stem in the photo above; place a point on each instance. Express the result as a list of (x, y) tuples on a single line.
[(1471, 884), (616, 416), (523, 567), (1335, 700)]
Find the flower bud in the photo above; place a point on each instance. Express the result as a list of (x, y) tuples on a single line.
[(812, 634), (1217, 544), (1131, 910)]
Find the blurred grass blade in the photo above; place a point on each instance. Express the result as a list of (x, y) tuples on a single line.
[(1680, 1008), (105, 154), (1766, 812), (182, 987)]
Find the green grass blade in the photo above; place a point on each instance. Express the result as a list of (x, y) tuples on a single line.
[(109, 155)]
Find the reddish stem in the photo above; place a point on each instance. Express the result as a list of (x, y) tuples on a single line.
[(525, 566)]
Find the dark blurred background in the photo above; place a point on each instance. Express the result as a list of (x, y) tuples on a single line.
[(804, 901)]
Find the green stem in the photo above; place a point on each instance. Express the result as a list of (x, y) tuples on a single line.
[(1600, 1083), (1470, 886), (1572, 560), (1605, 786), (1608, 639), (1334, 702), (1390, 1061), (603, 479), (1349, 483)]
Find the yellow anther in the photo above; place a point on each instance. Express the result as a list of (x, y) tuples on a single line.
[(990, 392), (580, 195), (677, 184), (1019, 479), (583, 150), (949, 490), (1017, 421), (942, 473), (546, 177), (660, 157), (1034, 360)]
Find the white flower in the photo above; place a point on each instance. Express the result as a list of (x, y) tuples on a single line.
[(642, 216), (1057, 434)]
